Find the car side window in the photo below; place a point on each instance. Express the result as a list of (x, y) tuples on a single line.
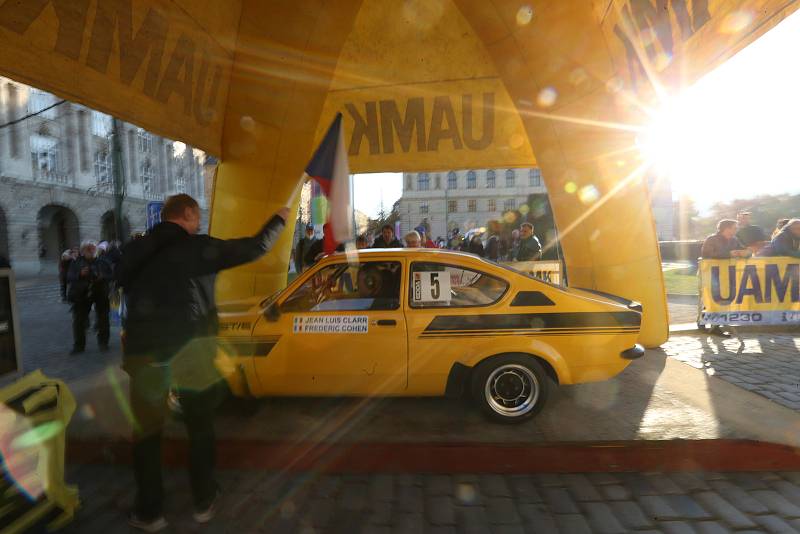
[(373, 285), (437, 285)]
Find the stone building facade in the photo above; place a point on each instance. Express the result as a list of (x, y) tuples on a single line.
[(468, 199), (56, 176), (464, 199)]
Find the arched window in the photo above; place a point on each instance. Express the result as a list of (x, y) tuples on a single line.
[(452, 180), (535, 176), (510, 176), (472, 180), (490, 179), (423, 181)]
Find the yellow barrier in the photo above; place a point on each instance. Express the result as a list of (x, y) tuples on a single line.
[(756, 291), (34, 414)]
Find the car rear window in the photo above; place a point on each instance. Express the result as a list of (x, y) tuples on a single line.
[(438, 285)]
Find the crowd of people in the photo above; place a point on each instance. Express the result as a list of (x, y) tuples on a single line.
[(490, 243), (740, 238)]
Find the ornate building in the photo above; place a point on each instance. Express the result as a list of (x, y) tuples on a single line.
[(56, 176), (464, 199)]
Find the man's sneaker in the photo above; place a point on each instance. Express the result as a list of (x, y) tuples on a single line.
[(206, 513), (153, 525)]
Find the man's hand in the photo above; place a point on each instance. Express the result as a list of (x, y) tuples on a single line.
[(283, 213)]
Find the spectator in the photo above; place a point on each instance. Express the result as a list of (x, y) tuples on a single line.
[(724, 244), (413, 239), (513, 245), (778, 227), (455, 240), (529, 249), (476, 246), (317, 249), (362, 241), (787, 242), (751, 236), (67, 257), (496, 245), (88, 279), (172, 324), (302, 247), (425, 241), (387, 238)]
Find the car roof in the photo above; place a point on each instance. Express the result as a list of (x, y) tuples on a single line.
[(437, 252)]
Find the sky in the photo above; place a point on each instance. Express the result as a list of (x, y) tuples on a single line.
[(733, 134)]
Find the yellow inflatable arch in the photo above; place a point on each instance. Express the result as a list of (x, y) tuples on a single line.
[(422, 84)]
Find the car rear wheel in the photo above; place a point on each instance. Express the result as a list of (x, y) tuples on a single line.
[(510, 389)]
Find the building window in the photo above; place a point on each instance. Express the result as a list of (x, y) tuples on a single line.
[(535, 176), (509, 205), (423, 181), (452, 180), (472, 180), (44, 153), (423, 208), (180, 182), (145, 141), (491, 205), (452, 206), (146, 174), (101, 124), (472, 205), (490, 179), (102, 166), (510, 178), (38, 100)]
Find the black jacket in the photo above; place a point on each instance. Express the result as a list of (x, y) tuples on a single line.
[(381, 243), (168, 277), (93, 285), (785, 244)]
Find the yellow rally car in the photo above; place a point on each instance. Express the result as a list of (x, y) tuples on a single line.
[(425, 322)]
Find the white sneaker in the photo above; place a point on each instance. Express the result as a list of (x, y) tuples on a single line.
[(154, 525), (207, 514)]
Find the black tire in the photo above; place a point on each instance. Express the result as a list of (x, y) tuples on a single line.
[(525, 378)]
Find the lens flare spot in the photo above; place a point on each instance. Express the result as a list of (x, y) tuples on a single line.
[(516, 141), (510, 217), (247, 123), (547, 97), (662, 61), (524, 209), (588, 194), (578, 76), (524, 15), (37, 435), (615, 85), (88, 412), (570, 187), (736, 22), (620, 163), (466, 493)]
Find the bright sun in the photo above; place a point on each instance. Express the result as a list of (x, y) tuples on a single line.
[(733, 134)]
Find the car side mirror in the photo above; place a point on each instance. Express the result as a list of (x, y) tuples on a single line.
[(272, 312)]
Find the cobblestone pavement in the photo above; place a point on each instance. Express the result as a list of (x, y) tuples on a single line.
[(562, 503), (764, 363)]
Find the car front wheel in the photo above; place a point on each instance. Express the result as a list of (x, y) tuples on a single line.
[(510, 388)]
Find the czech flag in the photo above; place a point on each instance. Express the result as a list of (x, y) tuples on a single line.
[(328, 166)]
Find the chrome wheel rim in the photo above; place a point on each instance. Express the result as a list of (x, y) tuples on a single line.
[(512, 390)]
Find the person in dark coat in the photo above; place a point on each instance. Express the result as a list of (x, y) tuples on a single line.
[(787, 242), (476, 246), (168, 277), (387, 238), (724, 244), (751, 236), (88, 281), (529, 248), (496, 245), (303, 245), (67, 257)]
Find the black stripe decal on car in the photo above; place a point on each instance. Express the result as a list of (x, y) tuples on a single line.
[(534, 321), (248, 347)]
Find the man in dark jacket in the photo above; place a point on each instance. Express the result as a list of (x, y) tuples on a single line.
[(787, 242), (751, 236), (724, 244), (387, 238), (529, 248), (88, 280), (168, 277), (303, 245)]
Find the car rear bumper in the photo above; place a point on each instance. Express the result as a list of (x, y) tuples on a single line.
[(633, 353)]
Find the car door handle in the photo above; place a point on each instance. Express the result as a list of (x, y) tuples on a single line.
[(385, 322)]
